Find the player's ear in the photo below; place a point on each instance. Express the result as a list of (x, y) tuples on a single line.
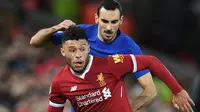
[(62, 51), (96, 18), (121, 20)]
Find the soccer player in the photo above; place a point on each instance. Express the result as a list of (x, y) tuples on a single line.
[(105, 38), (94, 84)]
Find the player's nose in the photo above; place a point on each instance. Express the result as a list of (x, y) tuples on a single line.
[(109, 27), (78, 55)]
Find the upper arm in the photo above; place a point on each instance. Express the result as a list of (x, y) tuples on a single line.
[(146, 81), (135, 49), (56, 37), (55, 96)]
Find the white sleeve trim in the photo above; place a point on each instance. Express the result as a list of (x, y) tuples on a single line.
[(134, 63), (59, 32), (56, 105)]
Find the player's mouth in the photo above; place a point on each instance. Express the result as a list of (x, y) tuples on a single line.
[(108, 35), (78, 64)]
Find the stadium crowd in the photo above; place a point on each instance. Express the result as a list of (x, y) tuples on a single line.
[(26, 72)]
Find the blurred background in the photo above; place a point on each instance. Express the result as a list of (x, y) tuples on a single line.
[(168, 29)]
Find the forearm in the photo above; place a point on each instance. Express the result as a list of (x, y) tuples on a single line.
[(148, 94), (143, 99), (159, 70), (42, 36)]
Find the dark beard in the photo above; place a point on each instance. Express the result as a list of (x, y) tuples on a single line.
[(108, 31), (84, 68), (79, 72)]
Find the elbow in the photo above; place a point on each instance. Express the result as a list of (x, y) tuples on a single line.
[(33, 42), (153, 93), (153, 58), (151, 97)]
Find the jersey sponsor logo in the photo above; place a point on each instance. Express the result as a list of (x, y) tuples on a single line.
[(73, 88), (93, 97), (106, 93), (118, 58), (100, 79)]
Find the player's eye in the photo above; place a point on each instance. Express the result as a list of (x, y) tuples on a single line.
[(83, 49), (114, 22), (104, 21), (72, 50)]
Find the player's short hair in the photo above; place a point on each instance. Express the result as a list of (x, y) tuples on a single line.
[(74, 33), (110, 5)]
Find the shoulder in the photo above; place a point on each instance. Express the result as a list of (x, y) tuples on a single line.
[(99, 64), (100, 60), (104, 65), (128, 41), (90, 30), (127, 38), (62, 72), (87, 26)]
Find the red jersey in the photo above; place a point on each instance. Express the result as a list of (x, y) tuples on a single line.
[(100, 88)]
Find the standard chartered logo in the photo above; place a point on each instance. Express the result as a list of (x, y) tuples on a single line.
[(106, 93), (93, 97)]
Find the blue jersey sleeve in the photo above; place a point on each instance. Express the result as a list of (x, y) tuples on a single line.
[(72, 109), (135, 49), (83, 25), (56, 37)]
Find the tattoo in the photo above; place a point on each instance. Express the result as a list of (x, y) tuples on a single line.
[(53, 29)]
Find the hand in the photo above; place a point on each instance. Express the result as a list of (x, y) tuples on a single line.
[(63, 25), (182, 101)]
